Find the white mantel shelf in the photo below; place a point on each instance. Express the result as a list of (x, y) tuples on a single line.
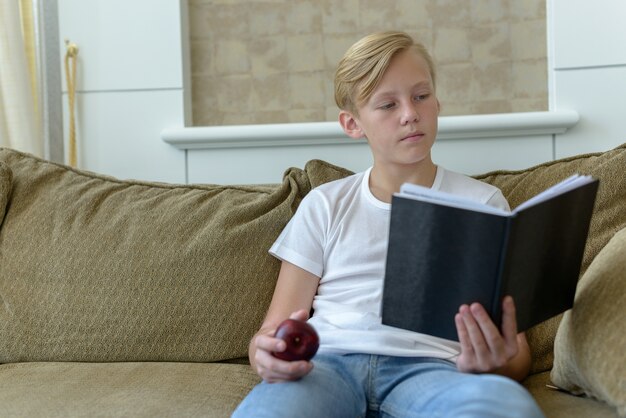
[(329, 133)]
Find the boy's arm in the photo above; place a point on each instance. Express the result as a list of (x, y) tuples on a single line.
[(293, 298), (485, 349)]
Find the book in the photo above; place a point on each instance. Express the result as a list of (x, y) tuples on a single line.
[(445, 251)]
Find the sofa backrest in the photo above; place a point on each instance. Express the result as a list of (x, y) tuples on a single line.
[(97, 269)]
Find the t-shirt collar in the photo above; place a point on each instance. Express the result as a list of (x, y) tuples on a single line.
[(367, 192)]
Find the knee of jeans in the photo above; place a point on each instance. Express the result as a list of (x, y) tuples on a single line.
[(493, 385), (501, 392)]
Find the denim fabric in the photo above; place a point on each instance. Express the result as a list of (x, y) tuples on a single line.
[(363, 385)]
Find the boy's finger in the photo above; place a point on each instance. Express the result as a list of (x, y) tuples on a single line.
[(476, 338), (490, 332), (464, 338), (275, 370), (267, 343), (509, 321), (301, 315)]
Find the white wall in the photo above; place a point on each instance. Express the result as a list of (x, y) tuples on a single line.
[(587, 59), (132, 82)]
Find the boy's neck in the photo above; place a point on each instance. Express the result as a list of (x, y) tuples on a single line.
[(386, 180)]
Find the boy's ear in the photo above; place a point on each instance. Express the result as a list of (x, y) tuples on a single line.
[(350, 125)]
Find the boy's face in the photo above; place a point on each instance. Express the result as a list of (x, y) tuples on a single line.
[(400, 118)]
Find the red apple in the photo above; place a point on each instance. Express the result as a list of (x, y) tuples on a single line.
[(301, 338)]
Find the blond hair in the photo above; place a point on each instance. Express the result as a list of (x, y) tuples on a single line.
[(363, 65)]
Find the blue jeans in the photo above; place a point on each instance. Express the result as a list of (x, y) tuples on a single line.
[(363, 385)]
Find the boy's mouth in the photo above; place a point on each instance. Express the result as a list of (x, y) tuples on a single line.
[(413, 136)]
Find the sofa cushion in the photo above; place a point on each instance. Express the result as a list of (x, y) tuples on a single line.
[(320, 172), (608, 218), (6, 176), (591, 339), (130, 389), (558, 404), (97, 269)]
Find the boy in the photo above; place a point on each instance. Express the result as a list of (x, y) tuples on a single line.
[(333, 258)]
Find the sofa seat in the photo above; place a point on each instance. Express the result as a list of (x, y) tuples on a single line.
[(558, 404), (153, 389), (137, 389)]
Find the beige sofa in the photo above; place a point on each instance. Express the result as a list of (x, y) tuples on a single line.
[(122, 298)]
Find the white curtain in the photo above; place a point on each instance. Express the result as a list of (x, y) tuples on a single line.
[(19, 121)]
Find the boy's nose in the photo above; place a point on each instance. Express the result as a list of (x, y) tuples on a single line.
[(410, 115)]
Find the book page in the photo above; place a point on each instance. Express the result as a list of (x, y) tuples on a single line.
[(564, 186), (413, 191), (425, 194)]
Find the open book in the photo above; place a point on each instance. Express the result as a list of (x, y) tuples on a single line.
[(445, 251)]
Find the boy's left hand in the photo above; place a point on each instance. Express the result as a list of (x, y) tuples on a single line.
[(484, 348)]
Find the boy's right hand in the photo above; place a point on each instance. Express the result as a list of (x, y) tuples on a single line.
[(272, 369)]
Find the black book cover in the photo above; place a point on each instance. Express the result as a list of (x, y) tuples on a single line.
[(440, 257)]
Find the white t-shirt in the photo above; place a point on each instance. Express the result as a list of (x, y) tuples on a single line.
[(339, 233)]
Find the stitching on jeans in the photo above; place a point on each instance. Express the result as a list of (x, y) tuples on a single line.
[(372, 402), (347, 377)]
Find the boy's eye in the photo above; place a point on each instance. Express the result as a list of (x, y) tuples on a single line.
[(421, 97), (387, 105)]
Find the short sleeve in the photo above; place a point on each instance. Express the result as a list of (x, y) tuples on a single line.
[(302, 242)]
